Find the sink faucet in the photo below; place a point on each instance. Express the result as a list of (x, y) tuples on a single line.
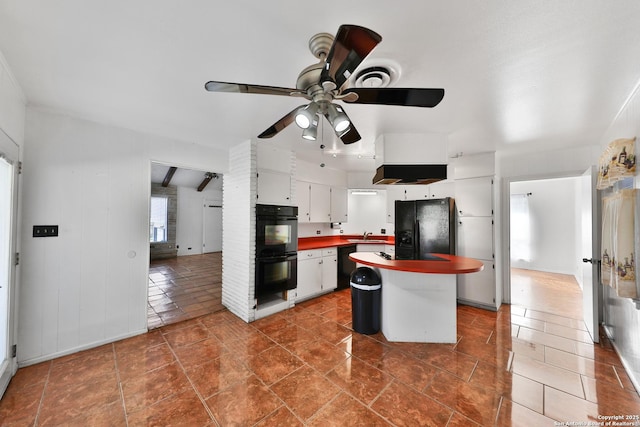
[(366, 235)]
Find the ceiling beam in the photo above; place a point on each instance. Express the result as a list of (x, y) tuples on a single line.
[(168, 176), (207, 177)]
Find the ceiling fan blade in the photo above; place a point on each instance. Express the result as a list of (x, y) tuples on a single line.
[(214, 86), (396, 96), (350, 136), (280, 124), (351, 45)]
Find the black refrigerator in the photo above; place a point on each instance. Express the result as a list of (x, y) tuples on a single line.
[(425, 227)]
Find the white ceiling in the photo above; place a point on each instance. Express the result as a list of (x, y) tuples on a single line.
[(518, 75)]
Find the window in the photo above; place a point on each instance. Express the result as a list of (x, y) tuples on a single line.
[(158, 219)]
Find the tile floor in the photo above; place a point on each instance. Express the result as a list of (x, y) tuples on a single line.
[(305, 366), (183, 288)]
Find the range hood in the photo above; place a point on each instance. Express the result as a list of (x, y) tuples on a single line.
[(410, 174), (410, 159)]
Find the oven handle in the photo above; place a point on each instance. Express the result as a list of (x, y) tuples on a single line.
[(274, 259)]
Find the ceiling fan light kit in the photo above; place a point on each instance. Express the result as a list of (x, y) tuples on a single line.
[(338, 119), (311, 133), (326, 81), (306, 115)]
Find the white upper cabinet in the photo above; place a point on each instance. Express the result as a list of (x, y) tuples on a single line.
[(319, 203), (442, 189), (394, 192), (474, 196), (274, 188), (416, 192), (303, 190), (274, 175), (339, 204)]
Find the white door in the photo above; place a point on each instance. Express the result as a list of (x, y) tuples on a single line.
[(212, 238), (8, 239), (590, 252)]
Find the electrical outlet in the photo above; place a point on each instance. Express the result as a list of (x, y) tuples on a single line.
[(383, 231), (45, 230), (317, 231)]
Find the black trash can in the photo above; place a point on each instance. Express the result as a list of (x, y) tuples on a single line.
[(366, 289)]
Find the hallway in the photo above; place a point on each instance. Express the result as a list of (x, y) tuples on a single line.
[(520, 366)]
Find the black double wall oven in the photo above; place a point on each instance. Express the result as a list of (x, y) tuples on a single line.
[(276, 250)]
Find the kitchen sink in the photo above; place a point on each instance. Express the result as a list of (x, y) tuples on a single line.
[(367, 241)]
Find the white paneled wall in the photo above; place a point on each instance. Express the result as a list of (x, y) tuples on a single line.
[(89, 285), (239, 224)]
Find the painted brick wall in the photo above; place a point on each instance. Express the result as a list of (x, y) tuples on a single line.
[(239, 225), (239, 222)]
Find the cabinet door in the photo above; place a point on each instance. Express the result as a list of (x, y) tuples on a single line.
[(302, 197), (319, 203), (329, 272), (393, 193), (417, 192), (309, 274), (474, 196), (274, 188), (475, 237), (478, 288), (442, 189), (339, 204)]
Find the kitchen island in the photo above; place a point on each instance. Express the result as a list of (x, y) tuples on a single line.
[(419, 296)]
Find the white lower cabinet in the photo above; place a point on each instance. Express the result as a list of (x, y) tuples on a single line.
[(317, 272), (478, 288), (329, 269)]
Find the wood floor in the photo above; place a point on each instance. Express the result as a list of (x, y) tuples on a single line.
[(520, 366), (548, 292), (184, 288)]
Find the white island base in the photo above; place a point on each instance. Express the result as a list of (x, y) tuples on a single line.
[(418, 300), (418, 307)]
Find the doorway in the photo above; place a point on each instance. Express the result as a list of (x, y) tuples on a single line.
[(9, 169), (545, 245), (185, 270)]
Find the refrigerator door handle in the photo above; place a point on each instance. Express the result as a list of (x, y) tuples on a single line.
[(416, 240)]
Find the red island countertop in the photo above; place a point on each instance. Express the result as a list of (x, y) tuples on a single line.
[(306, 243), (454, 264)]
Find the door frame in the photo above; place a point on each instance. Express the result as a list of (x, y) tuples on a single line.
[(506, 221), (10, 151)]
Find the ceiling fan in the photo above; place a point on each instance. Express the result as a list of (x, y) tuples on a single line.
[(325, 82)]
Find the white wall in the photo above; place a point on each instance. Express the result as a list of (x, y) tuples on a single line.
[(12, 104), (552, 208), (368, 213), (89, 285), (190, 223)]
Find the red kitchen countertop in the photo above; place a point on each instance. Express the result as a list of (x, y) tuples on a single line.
[(306, 243), (454, 264)]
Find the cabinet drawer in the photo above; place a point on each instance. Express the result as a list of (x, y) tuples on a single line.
[(312, 253), (329, 251)]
